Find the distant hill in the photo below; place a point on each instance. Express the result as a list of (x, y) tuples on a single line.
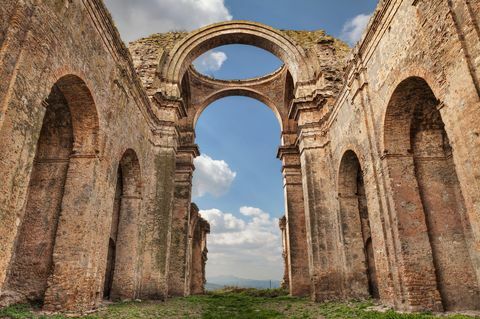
[(219, 282)]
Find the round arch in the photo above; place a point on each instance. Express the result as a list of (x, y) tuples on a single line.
[(239, 32), (83, 111), (238, 91), (355, 228)]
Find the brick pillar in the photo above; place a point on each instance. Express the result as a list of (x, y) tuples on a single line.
[(416, 261), (74, 283), (178, 278), (296, 237), (157, 222), (199, 256), (319, 196)]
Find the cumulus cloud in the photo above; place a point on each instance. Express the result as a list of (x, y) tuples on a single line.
[(249, 248), (211, 176), (353, 29), (136, 19), (222, 222), (210, 61)]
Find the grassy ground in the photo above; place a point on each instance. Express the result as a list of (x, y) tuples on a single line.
[(230, 303)]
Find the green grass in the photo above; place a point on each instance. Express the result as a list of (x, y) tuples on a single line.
[(234, 303)]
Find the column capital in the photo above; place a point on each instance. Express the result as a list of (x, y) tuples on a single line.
[(307, 109), (188, 150), (287, 150), (184, 166), (282, 223), (165, 135), (169, 107), (312, 136)]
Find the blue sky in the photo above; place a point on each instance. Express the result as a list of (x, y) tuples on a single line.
[(238, 183)]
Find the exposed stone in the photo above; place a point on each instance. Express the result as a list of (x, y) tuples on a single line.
[(380, 156)]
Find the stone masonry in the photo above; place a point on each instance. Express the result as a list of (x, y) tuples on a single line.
[(380, 152)]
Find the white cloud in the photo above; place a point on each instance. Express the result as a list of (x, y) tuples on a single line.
[(210, 61), (211, 176), (222, 222), (353, 29), (136, 19), (248, 249)]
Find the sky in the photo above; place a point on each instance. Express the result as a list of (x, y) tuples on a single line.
[(238, 181)]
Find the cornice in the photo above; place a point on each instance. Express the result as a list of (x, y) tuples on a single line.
[(171, 102), (309, 103)]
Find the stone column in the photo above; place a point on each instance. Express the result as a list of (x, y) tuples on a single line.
[(199, 256), (178, 277), (282, 224), (319, 195), (296, 237), (157, 221)]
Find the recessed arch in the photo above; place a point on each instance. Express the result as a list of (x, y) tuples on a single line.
[(427, 198), (69, 130), (121, 272), (237, 91), (238, 32), (83, 112), (360, 267)]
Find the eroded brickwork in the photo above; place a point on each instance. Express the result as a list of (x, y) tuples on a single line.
[(380, 154)]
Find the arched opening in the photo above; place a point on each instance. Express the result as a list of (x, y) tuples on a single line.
[(121, 272), (245, 241), (356, 233), (239, 32), (433, 225), (69, 128)]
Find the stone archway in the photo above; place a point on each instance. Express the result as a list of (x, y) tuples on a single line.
[(297, 93), (69, 132), (429, 205), (303, 69)]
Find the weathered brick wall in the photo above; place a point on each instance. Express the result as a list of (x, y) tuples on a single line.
[(425, 39), (318, 55), (381, 160), (41, 43)]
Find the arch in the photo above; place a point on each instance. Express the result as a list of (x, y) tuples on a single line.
[(121, 272), (69, 128), (427, 199), (238, 32), (83, 112), (355, 229), (236, 91)]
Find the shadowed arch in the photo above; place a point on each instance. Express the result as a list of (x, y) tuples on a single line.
[(83, 111), (58, 182), (355, 229), (427, 200), (121, 275)]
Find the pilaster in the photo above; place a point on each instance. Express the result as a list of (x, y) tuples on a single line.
[(296, 244), (178, 279)]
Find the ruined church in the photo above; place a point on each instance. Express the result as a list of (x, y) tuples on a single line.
[(380, 152)]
